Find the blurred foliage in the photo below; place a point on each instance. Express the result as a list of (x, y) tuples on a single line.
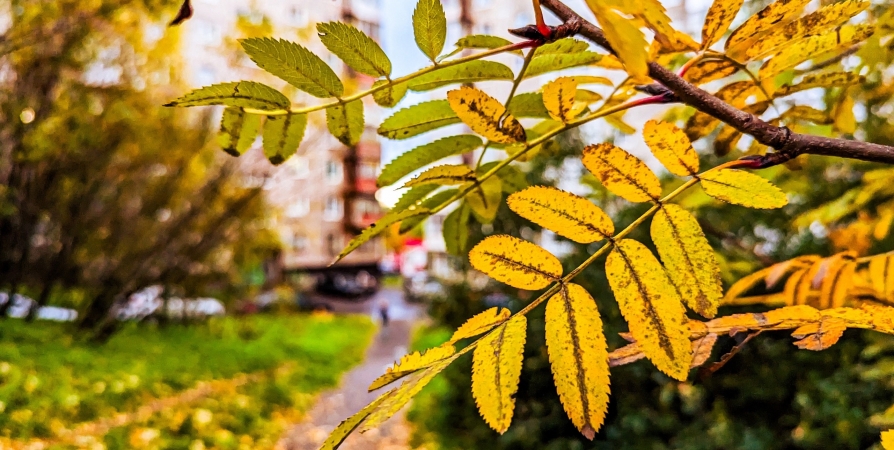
[(49, 382), (103, 191)]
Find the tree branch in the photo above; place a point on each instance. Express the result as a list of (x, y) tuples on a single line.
[(788, 144)]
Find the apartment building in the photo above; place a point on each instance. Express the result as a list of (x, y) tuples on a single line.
[(324, 195)]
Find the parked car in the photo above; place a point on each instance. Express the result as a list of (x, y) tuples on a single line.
[(149, 301), (22, 304)]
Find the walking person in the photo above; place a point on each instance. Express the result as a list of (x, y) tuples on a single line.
[(383, 311)]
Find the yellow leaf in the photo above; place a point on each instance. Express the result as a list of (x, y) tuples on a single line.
[(794, 287), (835, 279), (742, 188), (516, 262), (559, 96), (347, 426), (701, 124), (881, 275), (411, 363), (443, 175), (485, 199), (883, 226), (485, 115), (701, 349), (888, 440), (720, 17), (821, 335), (622, 173), (777, 12), (787, 34), (651, 306), (568, 215), (805, 292), (844, 119), (671, 146), (775, 272), (813, 47), (625, 355), (819, 80), (578, 356), (710, 70), (480, 323), (395, 399), (689, 259), (625, 38), (496, 368)]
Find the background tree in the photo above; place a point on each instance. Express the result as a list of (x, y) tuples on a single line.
[(104, 193)]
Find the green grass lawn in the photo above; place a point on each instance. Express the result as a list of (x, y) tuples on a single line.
[(48, 380)]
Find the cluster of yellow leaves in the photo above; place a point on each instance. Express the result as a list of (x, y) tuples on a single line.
[(837, 281)]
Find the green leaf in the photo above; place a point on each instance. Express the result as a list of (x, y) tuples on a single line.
[(528, 105), (485, 199), (468, 72), (241, 94), (480, 41), (426, 154), (238, 130), (355, 48), (456, 230), (377, 228), (561, 47), (418, 119), (430, 27), (283, 135), (513, 179), (412, 197), (389, 96), (294, 64), (345, 122), (427, 204), (556, 61)]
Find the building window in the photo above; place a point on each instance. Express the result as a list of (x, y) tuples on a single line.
[(299, 16), (370, 28), (299, 243), (334, 244), (333, 211), (367, 170), (333, 172), (300, 167), (298, 208)]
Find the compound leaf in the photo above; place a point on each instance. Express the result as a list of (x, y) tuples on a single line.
[(390, 96)]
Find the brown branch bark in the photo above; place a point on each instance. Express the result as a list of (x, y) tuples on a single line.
[(788, 144)]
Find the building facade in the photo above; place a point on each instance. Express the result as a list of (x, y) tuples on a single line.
[(325, 194)]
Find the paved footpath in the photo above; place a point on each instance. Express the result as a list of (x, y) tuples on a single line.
[(389, 344)]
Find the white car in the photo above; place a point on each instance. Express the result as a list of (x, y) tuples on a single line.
[(148, 301), (21, 305)]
